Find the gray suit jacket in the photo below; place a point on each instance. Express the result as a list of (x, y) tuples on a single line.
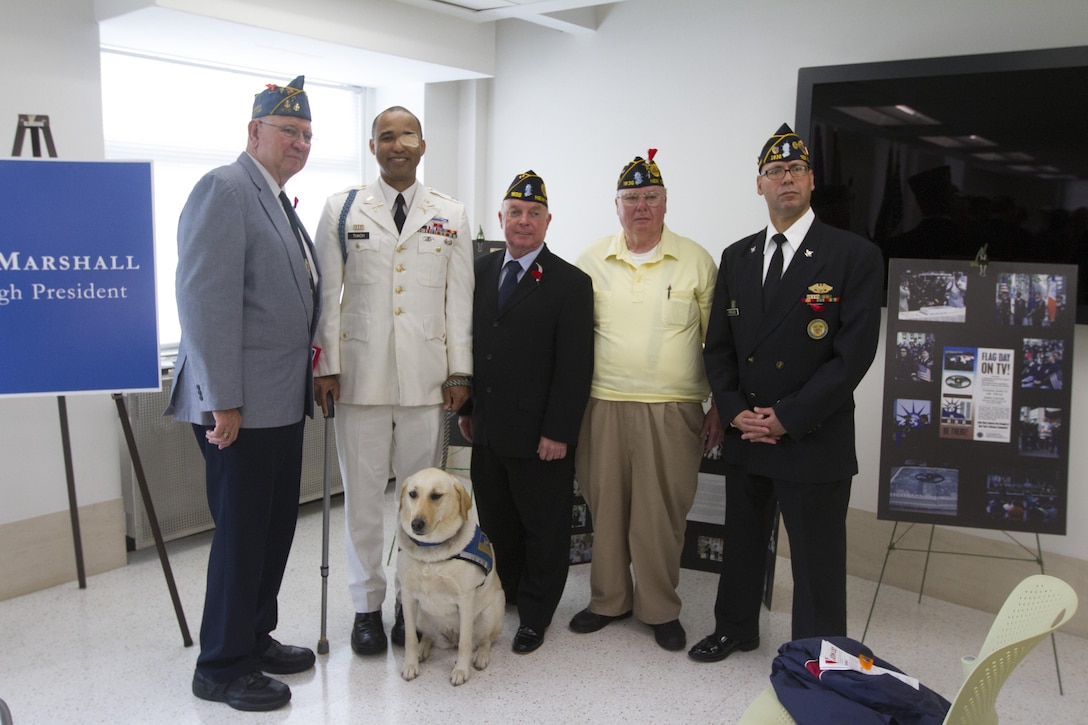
[(245, 304)]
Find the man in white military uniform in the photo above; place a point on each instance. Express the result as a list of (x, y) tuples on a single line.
[(395, 346)]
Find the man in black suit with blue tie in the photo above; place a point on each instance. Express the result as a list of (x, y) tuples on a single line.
[(532, 351), (793, 329)]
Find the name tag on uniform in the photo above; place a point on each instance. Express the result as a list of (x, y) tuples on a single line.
[(358, 235)]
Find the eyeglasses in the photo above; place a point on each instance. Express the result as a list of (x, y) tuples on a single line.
[(290, 132), (797, 171), (652, 198)]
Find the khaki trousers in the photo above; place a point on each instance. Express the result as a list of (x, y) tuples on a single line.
[(637, 466)]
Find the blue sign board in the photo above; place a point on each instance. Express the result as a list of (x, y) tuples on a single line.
[(77, 278)]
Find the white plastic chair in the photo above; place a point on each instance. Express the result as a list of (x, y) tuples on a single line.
[(1035, 608)]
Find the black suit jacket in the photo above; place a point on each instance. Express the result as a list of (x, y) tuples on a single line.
[(533, 361), (803, 356)]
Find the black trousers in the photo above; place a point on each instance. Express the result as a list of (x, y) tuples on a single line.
[(815, 518), (524, 506), (253, 491)]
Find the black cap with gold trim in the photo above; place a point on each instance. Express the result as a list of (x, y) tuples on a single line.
[(785, 145), (289, 100), (640, 172), (527, 187)]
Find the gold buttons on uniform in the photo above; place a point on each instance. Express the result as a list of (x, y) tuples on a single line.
[(398, 289), (780, 364), (397, 311), (400, 267), (751, 359), (400, 248)]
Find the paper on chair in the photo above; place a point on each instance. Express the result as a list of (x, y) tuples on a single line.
[(835, 658)]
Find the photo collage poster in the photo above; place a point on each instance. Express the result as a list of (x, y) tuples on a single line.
[(977, 392)]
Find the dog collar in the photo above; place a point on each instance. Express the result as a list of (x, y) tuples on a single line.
[(479, 550)]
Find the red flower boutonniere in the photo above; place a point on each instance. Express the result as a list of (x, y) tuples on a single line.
[(537, 272)]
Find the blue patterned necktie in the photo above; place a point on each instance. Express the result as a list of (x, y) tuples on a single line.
[(289, 209), (509, 282)]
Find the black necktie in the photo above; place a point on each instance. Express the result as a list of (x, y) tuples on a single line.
[(509, 282), (290, 211), (774, 272), (399, 213)]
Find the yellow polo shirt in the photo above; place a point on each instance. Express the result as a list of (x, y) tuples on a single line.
[(649, 320)]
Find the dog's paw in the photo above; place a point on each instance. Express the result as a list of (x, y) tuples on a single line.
[(459, 676), (482, 658), (410, 671)]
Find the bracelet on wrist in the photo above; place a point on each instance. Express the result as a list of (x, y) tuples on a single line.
[(457, 382)]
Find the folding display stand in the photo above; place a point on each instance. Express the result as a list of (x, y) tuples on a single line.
[(893, 545)]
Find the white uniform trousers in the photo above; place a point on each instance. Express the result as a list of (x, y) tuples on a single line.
[(367, 436)]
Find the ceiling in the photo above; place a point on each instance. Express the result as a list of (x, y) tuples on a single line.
[(251, 48), (570, 16), (247, 47)]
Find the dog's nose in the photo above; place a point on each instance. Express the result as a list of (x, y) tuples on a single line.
[(418, 525)]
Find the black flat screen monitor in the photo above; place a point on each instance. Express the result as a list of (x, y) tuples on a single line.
[(936, 157)]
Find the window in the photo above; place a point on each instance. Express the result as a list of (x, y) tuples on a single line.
[(188, 118)]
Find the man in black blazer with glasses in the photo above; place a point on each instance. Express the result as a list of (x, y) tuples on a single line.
[(793, 329)]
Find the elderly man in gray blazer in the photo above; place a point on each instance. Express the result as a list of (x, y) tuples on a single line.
[(248, 293)]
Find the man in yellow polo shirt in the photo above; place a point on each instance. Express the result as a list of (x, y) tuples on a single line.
[(644, 431)]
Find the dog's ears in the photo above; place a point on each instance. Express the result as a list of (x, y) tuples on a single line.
[(463, 496)]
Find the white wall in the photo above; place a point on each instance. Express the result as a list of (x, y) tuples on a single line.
[(50, 52), (706, 82)]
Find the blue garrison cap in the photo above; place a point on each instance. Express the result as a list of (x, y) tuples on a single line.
[(289, 100)]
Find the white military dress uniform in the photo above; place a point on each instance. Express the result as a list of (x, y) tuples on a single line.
[(401, 326)]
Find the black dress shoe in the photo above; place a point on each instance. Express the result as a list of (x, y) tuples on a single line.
[(527, 640), (671, 635), (586, 621), (285, 659), (716, 648), (368, 634), (252, 692), (397, 634)]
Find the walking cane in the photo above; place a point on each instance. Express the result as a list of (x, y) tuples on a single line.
[(323, 642)]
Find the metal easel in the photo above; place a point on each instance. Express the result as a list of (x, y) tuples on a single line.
[(38, 126), (893, 545)]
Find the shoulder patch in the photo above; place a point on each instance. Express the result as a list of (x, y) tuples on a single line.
[(441, 195), (349, 189)]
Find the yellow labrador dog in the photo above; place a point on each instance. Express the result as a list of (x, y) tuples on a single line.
[(448, 585)]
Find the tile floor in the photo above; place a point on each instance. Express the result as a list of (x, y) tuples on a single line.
[(113, 654)]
